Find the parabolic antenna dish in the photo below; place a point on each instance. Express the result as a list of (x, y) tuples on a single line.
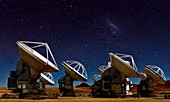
[(128, 68), (156, 73), (143, 76), (34, 59), (47, 78), (104, 69), (96, 77), (101, 69), (75, 70)]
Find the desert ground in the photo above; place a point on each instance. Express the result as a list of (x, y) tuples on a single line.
[(88, 99), (83, 92)]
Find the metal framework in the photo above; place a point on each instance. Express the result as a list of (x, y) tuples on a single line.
[(42, 44), (132, 62), (157, 70), (77, 67), (48, 77), (104, 67)]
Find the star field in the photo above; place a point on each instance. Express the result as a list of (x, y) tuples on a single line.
[(86, 31)]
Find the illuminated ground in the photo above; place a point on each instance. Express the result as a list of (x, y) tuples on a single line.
[(86, 91), (87, 99)]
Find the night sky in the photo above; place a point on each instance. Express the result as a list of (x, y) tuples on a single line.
[(86, 31)]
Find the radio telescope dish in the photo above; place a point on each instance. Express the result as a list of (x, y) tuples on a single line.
[(104, 69), (47, 78), (96, 77), (156, 73), (75, 70), (129, 69), (34, 59), (143, 76), (101, 69)]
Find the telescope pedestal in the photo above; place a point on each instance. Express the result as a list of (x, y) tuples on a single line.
[(145, 88), (66, 86), (116, 83), (24, 80), (111, 85)]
